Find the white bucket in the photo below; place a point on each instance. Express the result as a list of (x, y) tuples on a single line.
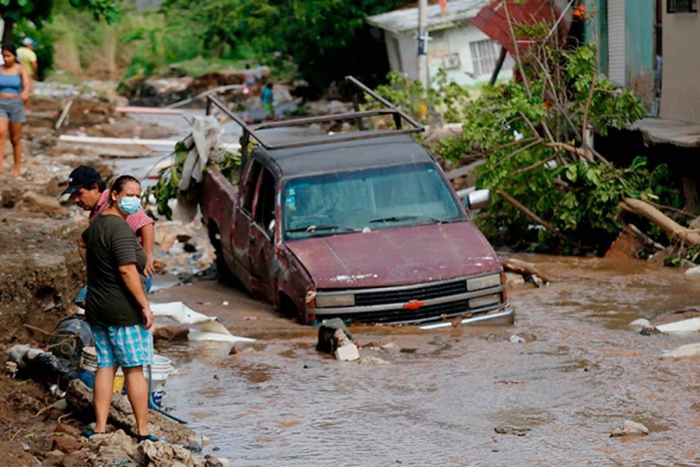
[(160, 370)]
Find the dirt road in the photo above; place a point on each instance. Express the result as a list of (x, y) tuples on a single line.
[(580, 373)]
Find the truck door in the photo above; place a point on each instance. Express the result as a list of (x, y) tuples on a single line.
[(262, 234), (241, 239)]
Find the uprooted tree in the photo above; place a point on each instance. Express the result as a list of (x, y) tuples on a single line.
[(554, 191)]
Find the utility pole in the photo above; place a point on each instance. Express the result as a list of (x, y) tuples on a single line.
[(423, 39)]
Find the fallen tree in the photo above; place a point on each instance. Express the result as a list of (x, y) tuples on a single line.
[(675, 231)]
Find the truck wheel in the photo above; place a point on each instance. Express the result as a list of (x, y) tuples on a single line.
[(223, 273)]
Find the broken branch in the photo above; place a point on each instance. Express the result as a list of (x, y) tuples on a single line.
[(674, 230), (530, 214)]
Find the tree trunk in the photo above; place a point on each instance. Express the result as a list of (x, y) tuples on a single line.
[(8, 31), (674, 231)]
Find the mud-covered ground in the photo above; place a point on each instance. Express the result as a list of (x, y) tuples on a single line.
[(580, 372)]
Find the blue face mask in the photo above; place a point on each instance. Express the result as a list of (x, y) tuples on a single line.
[(130, 204)]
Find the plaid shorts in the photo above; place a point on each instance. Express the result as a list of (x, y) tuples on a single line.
[(124, 346)]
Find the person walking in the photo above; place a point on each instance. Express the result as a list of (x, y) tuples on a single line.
[(14, 91), (87, 189), (117, 308), (27, 57), (268, 99)]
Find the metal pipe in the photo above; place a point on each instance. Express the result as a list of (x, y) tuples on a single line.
[(501, 314), (423, 43), (376, 96)]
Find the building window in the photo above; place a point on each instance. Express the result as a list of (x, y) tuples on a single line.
[(682, 6), (484, 57)]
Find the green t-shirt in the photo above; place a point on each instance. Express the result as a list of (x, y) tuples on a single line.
[(111, 243)]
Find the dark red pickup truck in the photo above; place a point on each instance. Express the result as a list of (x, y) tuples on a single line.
[(363, 226)]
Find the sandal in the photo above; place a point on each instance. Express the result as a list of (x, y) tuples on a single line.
[(151, 437), (89, 433)]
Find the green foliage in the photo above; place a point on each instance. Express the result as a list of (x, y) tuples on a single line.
[(167, 187), (38, 11), (531, 136), (443, 102)]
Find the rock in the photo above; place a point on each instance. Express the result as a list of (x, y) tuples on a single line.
[(688, 350), (211, 461), (391, 347), (694, 271), (112, 448), (347, 352), (373, 361), (80, 401), (630, 428), (511, 430), (649, 330), (67, 444), (162, 454), (61, 405), (170, 333), (327, 338), (638, 324), (35, 202), (76, 459), (527, 270), (514, 280), (632, 244), (516, 339), (67, 429)]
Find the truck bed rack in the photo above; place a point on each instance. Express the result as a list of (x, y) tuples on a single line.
[(253, 131)]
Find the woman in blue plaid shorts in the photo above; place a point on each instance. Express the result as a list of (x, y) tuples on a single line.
[(116, 305)]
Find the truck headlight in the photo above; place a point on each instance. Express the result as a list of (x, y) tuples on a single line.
[(329, 301), (484, 282), (479, 302)]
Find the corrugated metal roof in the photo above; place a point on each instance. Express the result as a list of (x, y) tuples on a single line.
[(398, 21)]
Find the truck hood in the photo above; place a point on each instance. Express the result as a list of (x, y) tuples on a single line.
[(400, 256)]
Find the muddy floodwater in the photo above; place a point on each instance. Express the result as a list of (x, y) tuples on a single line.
[(582, 373)]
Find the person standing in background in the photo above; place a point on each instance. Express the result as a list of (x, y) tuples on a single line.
[(27, 57), (14, 91), (268, 100)]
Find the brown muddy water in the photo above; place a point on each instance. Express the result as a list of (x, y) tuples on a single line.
[(281, 403)]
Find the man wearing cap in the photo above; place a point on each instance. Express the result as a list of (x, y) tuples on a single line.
[(27, 58), (86, 187)]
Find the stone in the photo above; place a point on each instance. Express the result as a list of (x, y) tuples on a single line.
[(630, 428), (632, 243), (688, 350), (162, 454), (35, 202), (694, 271), (67, 444), (347, 353), (211, 461), (67, 429), (373, 361), (638, 324), (76, 459), (515, 280)]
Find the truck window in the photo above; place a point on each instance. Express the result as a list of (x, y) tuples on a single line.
[(265, 206), (250, 184)]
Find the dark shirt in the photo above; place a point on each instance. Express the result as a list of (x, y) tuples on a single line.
[(111, 243)]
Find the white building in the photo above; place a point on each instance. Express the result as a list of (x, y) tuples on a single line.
[(463, 51)]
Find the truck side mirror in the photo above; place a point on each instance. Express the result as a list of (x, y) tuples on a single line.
[(477, 199)]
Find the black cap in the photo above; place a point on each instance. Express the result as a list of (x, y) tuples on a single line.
[(80, 177)]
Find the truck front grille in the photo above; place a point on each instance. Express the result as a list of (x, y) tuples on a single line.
[(406, 295)]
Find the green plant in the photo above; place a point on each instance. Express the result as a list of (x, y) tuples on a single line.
[(533, 135), (443, 102)]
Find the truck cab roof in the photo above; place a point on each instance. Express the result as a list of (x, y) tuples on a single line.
[(345, 155)]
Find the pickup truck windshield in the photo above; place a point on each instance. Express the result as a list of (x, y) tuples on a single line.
[(347, 202)]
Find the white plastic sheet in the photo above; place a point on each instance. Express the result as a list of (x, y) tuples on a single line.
[(202, 327)]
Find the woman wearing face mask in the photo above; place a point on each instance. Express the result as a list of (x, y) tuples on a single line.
[(116, 307)]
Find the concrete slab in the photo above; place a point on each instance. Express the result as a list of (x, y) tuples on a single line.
[(660, 131)]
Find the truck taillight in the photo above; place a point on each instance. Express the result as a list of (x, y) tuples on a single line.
[(503, 283)]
